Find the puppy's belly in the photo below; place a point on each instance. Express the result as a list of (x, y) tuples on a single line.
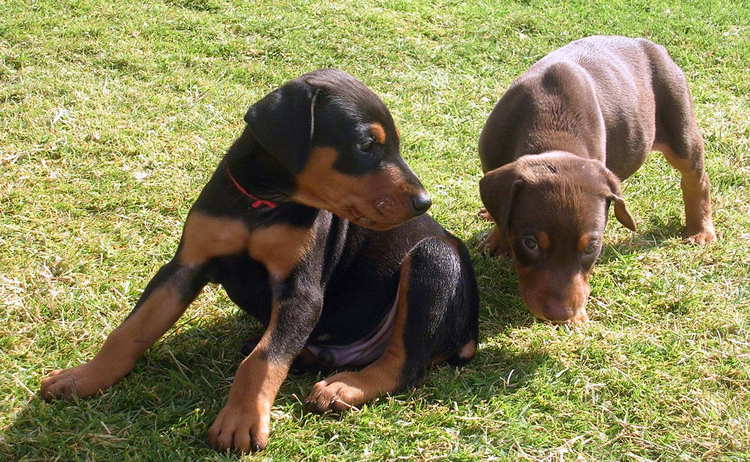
[(246, 283)]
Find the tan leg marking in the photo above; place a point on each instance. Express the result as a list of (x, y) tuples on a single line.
[(696, 194), (349, 389), (203, 238), (120, 351), (468, 351), (206, 237), (244, 422), (280, 247)]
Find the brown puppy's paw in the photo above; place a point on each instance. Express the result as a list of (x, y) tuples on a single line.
[(702, 237), (240, 428), (484, 214), (81, 381), (492, 244), (337, 393)]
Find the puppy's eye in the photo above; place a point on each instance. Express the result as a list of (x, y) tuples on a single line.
[(530, 243), (366, 145)]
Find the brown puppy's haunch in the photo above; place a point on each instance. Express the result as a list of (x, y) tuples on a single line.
[(556, 147), (313, 224)]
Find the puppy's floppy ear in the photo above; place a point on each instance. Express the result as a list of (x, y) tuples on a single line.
[(498, 189), (615, 196), (282, 122)]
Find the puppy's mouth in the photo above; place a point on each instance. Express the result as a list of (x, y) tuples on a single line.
[(377, 213), (579, 318), (355, 215), (370, 216), (568, 315), (554, 311)]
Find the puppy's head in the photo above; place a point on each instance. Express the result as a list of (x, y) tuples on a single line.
[(552, 208), (340, 144)]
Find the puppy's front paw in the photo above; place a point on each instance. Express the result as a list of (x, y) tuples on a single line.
[(484, 214), (240, 428), (493, 245)]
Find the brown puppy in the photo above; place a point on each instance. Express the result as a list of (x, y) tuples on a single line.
[(557, 145)]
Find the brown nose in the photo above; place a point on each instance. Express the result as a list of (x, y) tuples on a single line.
[(421, 203)]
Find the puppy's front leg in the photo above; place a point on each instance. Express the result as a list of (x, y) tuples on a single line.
[(162, 303), (243, 423)]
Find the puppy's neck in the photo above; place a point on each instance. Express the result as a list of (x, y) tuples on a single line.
[(557, 140), (257, 171)]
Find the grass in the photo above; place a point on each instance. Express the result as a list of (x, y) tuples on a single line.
[(113, 115)]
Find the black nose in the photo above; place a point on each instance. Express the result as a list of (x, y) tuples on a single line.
[(420, 203)]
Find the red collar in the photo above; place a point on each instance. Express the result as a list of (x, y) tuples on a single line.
[(257, 201)]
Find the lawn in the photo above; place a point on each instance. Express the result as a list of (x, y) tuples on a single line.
[(114, 114)]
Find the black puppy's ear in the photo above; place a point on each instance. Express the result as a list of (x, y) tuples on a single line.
[(283, 123), (615, 196), (498, 189)]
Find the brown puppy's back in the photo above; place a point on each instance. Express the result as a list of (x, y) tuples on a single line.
[(578, 97)]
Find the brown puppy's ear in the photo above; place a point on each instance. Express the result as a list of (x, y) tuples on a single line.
[(283, 123), (498, 189), (621, 212)]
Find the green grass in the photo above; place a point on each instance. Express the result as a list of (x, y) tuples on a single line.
[(113, 115)]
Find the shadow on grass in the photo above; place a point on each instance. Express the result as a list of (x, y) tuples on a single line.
[(649, 236), (163, 407), (494, 372), (162, 410), (501, 303)]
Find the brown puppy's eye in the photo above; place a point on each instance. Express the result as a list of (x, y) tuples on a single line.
[(591, 248), (367, 145), (530, 243)]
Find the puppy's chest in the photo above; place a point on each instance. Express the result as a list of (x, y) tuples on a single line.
[(279, 247)]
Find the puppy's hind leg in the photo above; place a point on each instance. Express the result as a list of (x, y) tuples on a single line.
[(436, 320), (678, 138)]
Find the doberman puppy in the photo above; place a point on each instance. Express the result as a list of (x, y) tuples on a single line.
[(315, 225), (556, 147)]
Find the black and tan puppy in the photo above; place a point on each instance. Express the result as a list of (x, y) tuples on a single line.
[(556, 147), (313, 224)]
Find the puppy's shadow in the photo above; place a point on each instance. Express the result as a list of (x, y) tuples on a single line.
[(650, 235), (495, 371), (501, 304), (182, 382)]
